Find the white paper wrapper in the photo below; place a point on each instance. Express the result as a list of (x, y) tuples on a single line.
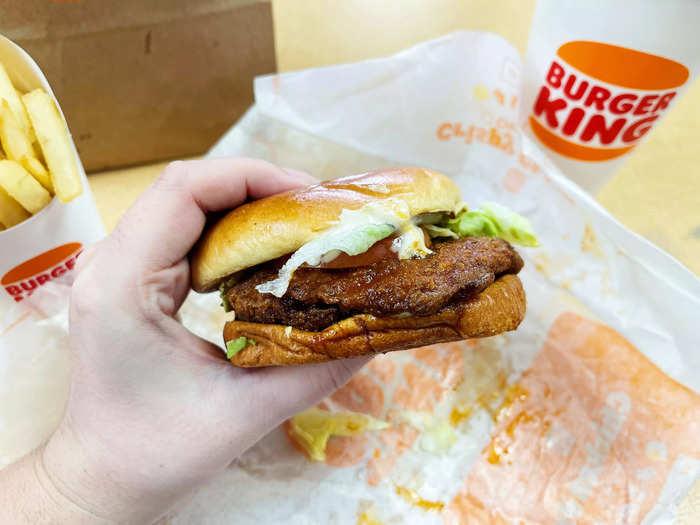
[(588, 413), (559, 422)]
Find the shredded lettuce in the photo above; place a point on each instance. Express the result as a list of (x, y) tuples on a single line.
[(236, 345), (351, 241), (440, 231), (224, 287), (312, 429), (411, 242), (354, 233), (491, 220)]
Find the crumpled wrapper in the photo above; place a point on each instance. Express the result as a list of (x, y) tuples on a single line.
[(588, 413)]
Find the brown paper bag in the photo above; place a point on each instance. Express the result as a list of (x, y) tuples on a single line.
[(144, 81)]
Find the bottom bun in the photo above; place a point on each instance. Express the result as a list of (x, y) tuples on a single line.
[(499, 308)]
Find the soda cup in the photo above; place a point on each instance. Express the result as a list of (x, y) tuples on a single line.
[(599, 75)]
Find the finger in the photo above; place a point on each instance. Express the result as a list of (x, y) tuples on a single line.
[(166, 221), (280, 392)]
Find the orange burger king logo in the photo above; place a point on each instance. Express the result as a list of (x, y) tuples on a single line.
[(22, 280), (598, 100)]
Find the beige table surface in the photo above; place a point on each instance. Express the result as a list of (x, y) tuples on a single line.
[(656, 193)]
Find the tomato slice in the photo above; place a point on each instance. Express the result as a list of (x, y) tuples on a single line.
[(379, 251)]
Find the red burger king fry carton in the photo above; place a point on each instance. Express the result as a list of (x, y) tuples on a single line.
[(598, 78), (44, 247)]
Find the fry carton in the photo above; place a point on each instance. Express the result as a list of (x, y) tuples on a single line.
[(43, 247), (37, 263)]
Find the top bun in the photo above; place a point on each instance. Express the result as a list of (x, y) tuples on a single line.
[(269, 228)]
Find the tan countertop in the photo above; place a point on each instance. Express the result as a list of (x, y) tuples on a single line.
[(656, 193)]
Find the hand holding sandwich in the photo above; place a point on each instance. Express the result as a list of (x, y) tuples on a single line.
[(323, 275), (155, 411)]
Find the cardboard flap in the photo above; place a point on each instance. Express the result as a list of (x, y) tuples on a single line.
[(139, 81)]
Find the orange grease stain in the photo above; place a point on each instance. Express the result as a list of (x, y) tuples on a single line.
[(494, 452), (412, 497), (522, 417), (514, 393), (458, 415)]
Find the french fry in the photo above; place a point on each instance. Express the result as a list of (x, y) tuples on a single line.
[(11, 212), (9, 93), (38, 171), (1, 227), (52, 134), (22, 187), (18, 147)]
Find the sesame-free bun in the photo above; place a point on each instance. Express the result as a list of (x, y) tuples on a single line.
[(278, 225), (498, 308)]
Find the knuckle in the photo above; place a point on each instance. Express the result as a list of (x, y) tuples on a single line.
[(174, 179), (149, 298), (174, 174)]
